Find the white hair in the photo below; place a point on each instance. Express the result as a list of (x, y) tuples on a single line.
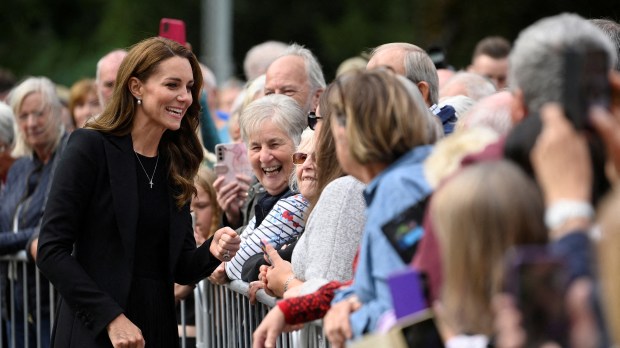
[(46, 88), (258, 58)]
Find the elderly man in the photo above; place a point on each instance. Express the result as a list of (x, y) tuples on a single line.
[(298, 75), (107, 68), (414, 63), (490, 59)]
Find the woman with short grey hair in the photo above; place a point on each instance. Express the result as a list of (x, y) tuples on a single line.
[(271, 129)]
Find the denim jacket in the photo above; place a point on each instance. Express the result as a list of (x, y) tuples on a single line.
[(395, 189)]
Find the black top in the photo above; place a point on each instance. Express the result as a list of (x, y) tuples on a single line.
[(149, 306)]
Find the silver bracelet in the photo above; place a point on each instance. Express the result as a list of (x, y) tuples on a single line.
[(287, 282)]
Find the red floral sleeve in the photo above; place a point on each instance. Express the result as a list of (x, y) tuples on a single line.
[(310, 307)]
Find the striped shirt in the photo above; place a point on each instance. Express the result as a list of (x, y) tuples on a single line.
[(284, 222)]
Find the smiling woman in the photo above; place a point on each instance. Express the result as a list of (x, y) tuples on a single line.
[(117, 232), (38, 139)]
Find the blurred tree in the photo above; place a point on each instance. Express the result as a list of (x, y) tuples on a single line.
[(63, 39)]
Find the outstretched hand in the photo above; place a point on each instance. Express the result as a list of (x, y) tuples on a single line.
[(225, 244)]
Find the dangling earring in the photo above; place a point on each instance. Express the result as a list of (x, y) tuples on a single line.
[(139, 101)]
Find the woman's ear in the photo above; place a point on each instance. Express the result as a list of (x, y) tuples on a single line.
[(135, 87)]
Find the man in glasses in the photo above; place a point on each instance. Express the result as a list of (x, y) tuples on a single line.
[(297, 74), (414, 63), (107, 68)]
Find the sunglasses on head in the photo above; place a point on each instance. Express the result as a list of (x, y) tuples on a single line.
[(313, 119), (299, 157)]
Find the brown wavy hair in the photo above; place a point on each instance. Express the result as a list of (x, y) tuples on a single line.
[(181, 147)]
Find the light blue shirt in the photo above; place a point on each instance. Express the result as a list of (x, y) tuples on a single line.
[(398, 187)]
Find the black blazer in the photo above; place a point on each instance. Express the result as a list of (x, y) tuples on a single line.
[(88, 237)]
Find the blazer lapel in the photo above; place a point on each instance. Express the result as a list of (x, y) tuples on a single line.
[(123, 183)]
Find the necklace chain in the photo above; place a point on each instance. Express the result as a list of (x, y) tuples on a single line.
[(145, 173)]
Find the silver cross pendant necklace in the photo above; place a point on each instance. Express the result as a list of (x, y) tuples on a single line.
[(145, 173)]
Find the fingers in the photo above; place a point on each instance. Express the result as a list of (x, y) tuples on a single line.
[(271, 252), (124, 334), (254, 287), (225, 244), (336, 324)]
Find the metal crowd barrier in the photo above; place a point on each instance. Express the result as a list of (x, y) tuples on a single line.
[(224, 316), (15, 265)]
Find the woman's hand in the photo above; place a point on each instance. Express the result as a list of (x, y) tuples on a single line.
[(124, 334), (219, 276), (262, 278), (607, 125), (225, 244), (232, 196), (336, 324), (254, 287), (279, 272), (182, 291), (270, 329)]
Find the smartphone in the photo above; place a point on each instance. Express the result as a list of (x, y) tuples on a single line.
[(405, 230), (173, 29), (586, 84), (420, 331), (538, 281), (232, 159)]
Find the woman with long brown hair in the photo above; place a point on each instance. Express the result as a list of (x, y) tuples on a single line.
[(117, 233)]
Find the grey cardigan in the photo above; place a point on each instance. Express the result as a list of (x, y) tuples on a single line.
[(326, 249)]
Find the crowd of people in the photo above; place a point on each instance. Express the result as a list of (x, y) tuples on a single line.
[(493, 186)]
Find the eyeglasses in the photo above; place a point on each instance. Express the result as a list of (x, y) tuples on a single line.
[(300, 157), (313, 119)]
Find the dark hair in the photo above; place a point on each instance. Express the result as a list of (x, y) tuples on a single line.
[(181, 147), (495, 47)]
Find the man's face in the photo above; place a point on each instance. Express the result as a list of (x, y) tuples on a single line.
[(287, 75), (495, 70), (107, 80)]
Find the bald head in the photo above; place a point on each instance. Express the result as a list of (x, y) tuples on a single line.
[(410, 61), (107, 68)]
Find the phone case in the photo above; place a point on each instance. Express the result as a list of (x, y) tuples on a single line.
[(173, 29), (405, 230), (232, 159)]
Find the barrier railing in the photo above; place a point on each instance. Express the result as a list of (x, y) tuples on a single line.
[(225, 318), (223, 313), (15, 269)]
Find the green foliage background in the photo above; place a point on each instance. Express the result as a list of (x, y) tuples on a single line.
[(63, 39)]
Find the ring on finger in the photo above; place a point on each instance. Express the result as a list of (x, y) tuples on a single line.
[(226, 255)]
